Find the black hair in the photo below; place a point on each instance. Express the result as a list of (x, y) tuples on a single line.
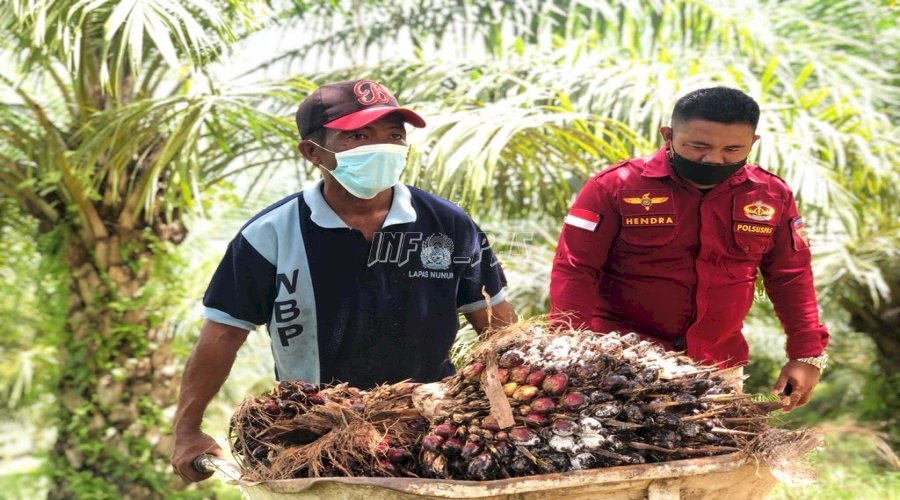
[(717, 104), (318, 136)]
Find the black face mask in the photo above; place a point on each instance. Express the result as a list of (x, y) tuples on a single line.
[(704, 174)]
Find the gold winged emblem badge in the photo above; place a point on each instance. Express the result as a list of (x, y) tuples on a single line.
[(646, 201)]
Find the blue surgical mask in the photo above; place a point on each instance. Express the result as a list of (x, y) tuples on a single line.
[(367, 170)]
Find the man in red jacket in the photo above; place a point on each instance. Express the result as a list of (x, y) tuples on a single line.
[(668, 246)]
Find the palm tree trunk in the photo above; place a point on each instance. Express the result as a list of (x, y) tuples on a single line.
[(880, 321), (883, 332), (116, 374)]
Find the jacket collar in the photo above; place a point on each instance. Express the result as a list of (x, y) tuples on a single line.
[(401, 211)]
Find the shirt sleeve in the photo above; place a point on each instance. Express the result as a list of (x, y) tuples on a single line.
[(587, 233), (481, 275), (787, 276), (242, 289)]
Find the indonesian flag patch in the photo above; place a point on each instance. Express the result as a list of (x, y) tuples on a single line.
[(584, 219)]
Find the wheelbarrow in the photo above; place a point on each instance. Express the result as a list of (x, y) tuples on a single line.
[(735, 476)]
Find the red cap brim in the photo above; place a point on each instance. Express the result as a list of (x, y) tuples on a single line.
[(366, 116)]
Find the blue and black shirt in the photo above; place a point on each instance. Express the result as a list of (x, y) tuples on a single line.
[(341, 309)]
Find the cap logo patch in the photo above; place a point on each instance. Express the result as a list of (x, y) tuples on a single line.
[(369, 92), (646, 200), (759, 211)]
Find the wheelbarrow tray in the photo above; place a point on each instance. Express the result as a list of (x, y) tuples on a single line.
[(734, 476)]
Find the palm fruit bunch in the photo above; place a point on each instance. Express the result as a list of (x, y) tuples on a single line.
[(300, 429), (580, 400), (528, 400)]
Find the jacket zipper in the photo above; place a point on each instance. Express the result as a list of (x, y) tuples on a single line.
[(696, 271)]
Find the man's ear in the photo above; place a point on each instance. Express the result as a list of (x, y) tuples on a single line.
[(310, 151), (666, 132)]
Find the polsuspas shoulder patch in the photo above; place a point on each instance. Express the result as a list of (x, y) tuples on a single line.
[(798, 234)]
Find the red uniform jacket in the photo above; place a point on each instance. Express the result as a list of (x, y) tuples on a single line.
[(643, 251)]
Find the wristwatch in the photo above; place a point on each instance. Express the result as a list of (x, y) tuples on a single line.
[(817, 361)]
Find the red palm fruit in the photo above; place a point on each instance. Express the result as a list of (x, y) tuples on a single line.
[(287, 410), (503, 374), (521, 466), (417, 424), (316, 399), (542, 405), (501, 436), (490, 423), (572, 401), (261, 452), (525, 393), (509, 388), (510, 359), (473, 371), (432, 442), (519, 374), (398, 455), (584, 372), (470, 449), (536, 378), (504, 450), (482, 467), (308, 387), (445, 430), (523, 436), (387, 466), (556, 384), (270, 407), (382, 447), (524, 410), (613, 382), (452, 447), (563, 427), (537, 419)]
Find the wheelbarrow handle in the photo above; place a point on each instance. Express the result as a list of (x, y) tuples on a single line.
[(209, 464), (204, 463)]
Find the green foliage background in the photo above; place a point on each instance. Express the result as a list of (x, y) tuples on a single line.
[(170, 118)]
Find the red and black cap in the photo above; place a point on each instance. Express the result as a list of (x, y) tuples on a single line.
[(348, 106)]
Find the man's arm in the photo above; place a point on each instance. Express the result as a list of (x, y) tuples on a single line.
[(206, 370), (787, 275), (587, 234), (499, 316)]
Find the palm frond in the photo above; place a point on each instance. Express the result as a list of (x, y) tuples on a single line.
[(110, 40)]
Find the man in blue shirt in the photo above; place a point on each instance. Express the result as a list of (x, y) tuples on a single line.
[(358, 279)]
